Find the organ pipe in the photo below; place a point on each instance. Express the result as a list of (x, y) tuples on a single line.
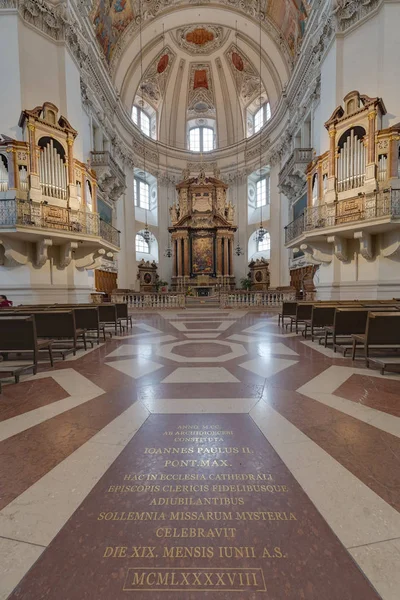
[(52, 172), (351, 163)]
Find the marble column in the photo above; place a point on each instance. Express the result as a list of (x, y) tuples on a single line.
[(186, 257), (371, 136), (174, 257), (226, 256), (219, 255), (179, 256)]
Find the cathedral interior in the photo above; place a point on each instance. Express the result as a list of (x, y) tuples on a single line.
[(184, 183)]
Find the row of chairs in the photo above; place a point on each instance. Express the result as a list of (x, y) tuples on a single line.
[(55, 329), (374, 325)]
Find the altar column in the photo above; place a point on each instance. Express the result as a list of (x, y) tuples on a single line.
[(226, 256), (186, 256), (219, 255), (179, 256), (174, 258)]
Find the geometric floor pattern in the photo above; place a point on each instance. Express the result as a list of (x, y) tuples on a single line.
[(328, 426)]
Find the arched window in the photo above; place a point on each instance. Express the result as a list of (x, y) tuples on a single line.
[(262, 116), (262, 192), (141, 119), (141, 193), (141, 244), (201, 139), (265, 244)]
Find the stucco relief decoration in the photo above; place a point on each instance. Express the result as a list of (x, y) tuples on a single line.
[(244, 75), (201, 101), (153, 84), (203, 39)]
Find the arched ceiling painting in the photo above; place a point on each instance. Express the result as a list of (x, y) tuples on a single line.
[(111, 17)]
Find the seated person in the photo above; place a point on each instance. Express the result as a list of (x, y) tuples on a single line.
[(4, 303)]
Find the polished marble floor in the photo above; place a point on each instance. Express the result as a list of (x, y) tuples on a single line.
[(328, 427)]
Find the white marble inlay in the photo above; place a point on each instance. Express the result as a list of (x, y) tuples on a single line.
[(132, 349), (325, 351), (135, 367), (381, 564), (79, 388), (200, 336), (266, 366), (200, 375), (16, 558), (38, 514), (322, 388), (200, 405), (181, 325), (356, 514)]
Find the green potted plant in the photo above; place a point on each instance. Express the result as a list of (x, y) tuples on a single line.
[(245, 282), (161, 286)]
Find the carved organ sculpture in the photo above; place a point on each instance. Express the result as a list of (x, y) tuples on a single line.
[(202, 234), (354, 188), (43, 187)]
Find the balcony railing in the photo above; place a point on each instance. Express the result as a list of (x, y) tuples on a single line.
[(299, 158), (366, 207), (109, 233), (47, 216), (294, 229), (104, 159)]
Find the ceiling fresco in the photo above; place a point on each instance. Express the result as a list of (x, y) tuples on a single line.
[(111, 18)]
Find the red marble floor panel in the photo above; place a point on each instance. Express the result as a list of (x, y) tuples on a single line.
[(157, 537), (381, 394), (369, 453), (204, 350), (29, 455), (28, 395)]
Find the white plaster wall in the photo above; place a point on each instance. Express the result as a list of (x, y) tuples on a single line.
[(10, 74)]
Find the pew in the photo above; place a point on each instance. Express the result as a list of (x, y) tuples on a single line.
[(382, 332), (122, 313), (347, 321), (108, 316), (18, 335), (288, 310), (321, 316), (87, 318), (303, 312)]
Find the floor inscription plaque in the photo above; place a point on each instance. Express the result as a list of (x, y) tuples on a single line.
[(196, 507)]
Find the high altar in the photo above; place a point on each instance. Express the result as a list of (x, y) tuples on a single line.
[(202, 235)]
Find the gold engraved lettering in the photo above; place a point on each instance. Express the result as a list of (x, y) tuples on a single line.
[(193, 532)]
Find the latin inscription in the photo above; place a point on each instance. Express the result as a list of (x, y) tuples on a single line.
[(196, 507)]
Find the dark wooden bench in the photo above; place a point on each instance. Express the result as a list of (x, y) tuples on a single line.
[(122, 313), (382, 332), (346, 322), (288, 310), (18, 335), (321, 316), (303, 312), (108, 316), (88, 318)]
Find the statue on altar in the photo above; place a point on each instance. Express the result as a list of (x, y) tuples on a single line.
[(202, 233)]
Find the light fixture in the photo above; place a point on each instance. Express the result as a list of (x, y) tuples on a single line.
[(260, 233), (238, 249), (146, 234)]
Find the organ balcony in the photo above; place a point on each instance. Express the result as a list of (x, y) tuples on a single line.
[(110, 177), (48, 197), (292, 178), (353, 190)]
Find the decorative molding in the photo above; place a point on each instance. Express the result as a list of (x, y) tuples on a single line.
[(391, 245), (66, 251), (349, 12), (245, 76), (339, 247), (90, 261), (365, 244), (155, 78), (42, 249), (203, 39), (16, 252), (317, 253)]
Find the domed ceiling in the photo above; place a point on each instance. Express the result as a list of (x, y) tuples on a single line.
[(112, 18)]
